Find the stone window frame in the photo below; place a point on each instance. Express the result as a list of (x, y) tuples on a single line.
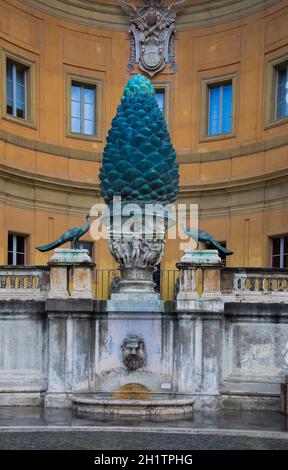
[(26, 245), (269, 95), (167, 100), (204, 105), (32, 92), (84, 80), (282, 252)]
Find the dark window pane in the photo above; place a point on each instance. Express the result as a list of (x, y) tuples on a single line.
[(10, 242), (285, 261), (276, 262), (20, 113), (9, 70), (10, 257), (20, 259), (20, 244), (9, 109), (276, 246), (20, 75), (9, 91)]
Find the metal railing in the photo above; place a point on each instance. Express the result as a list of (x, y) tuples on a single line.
[(105, 281)]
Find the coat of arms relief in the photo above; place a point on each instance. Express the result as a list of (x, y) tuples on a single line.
[(152, 34)]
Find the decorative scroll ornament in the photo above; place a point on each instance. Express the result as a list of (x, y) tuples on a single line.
[(152, 34)]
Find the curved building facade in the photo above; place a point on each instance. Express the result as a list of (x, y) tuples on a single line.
[(63, 69)]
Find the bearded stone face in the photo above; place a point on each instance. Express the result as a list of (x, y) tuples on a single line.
[(133, 352)]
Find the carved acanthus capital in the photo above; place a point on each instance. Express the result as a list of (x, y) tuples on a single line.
[(137, 252)]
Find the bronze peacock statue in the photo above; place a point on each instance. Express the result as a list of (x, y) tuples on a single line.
[(72, 235), (207, 240)]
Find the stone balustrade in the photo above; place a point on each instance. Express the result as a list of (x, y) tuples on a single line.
[(254, 283), (29, 282), (32, 282)]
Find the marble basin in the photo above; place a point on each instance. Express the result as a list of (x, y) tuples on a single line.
[(108, 404)]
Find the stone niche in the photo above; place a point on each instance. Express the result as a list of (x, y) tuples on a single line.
[(124, 341)]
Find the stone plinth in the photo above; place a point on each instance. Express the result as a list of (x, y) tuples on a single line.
[(189, 296), (58, 282), (61, 263)]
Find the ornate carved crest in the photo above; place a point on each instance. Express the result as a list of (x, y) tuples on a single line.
[(152, 34)]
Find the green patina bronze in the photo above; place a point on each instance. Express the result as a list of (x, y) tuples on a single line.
[(208, 240), (72, 235), (139, 161)]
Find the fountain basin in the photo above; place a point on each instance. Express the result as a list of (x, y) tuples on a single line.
[(105, 404)]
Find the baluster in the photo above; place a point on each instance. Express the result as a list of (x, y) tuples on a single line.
[(20, 282), (2, 282), (37, 282), (252, 283), (13, 281), (270, 284), (261, 284)]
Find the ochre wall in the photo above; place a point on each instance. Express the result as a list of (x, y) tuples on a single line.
[(49, 181)]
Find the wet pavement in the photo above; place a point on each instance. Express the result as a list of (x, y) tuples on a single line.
[(38, 428), (21, 416), (100, 440)]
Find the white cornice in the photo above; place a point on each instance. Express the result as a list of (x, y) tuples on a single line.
[(106, 16)]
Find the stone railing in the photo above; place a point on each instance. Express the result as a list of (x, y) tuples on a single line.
[(255, 282), (239, 284), (27, 282)]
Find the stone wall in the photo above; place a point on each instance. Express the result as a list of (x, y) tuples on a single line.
[(236, 358)]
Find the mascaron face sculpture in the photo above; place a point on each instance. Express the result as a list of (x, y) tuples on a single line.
[(133, 352)]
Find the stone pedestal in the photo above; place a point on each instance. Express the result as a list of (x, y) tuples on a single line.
[(82, 282), (200, 309), (58, 282), (61, 263), (193, 296)]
